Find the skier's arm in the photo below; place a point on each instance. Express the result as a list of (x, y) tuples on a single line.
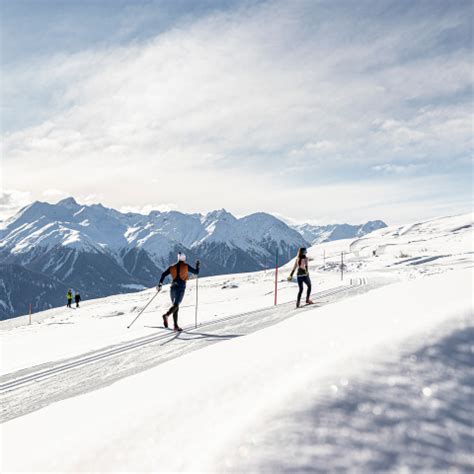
[(195, 270), (164, 275), (294, 267)]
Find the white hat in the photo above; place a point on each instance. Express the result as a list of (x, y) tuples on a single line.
[(181, 257)]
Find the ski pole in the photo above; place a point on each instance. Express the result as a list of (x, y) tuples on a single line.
[(145, 307), (196, 310)]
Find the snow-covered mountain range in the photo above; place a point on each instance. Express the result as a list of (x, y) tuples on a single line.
[(326, 233), (101, 251)]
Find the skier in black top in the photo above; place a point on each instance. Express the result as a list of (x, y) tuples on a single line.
[(179, 273), (302, 275), (77, 298)]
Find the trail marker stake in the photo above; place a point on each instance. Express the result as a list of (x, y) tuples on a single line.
[(276, 278), (342, 265), (197, 300)]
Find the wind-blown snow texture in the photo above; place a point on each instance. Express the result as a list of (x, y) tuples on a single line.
[(100, 251)]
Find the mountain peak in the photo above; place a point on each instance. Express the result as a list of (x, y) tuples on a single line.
[(219, 215), (68, 202)]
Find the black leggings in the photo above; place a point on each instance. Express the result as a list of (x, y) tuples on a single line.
[(177, 295), (174, 311), (304, 279)]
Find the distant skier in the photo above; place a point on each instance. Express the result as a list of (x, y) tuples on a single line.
[(77, 298), (302, 276), (179, 273), (69, 298)]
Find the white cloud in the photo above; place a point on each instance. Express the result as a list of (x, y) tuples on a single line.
[(147, 208), (11, 201), (396, 168), (239, 103), (54, 193)]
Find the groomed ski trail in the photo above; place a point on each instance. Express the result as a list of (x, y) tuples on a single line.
[(30, 389)]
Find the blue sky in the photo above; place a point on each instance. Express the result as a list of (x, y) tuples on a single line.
[(321, 111)]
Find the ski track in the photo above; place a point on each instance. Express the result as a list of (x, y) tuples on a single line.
[(31, 389)]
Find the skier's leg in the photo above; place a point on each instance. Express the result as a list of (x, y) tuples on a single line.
[(179, 297), (175, 316), (308, 291), (175, 319), (174, 298), (173, 293), (180, 294), (300, 290)]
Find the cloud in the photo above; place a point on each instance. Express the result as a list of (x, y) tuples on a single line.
[(54, 193), (11, 201), (397, 169), (269, 96), (147, 208)]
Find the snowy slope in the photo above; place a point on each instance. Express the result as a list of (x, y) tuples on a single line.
[(101, 321), (63, 332), (441, 236), (419, 248), (241, 405), (372, 383), (319, 234)]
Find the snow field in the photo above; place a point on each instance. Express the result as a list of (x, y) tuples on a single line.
[(207, 403), (61, 332), (411, 251)]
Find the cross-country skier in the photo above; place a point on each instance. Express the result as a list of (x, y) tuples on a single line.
[(302, 275), (179, 273), (69, 298), (77, 298)]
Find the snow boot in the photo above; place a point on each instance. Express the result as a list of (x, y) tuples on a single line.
[(165, 320), (177, 329), (309, 301)]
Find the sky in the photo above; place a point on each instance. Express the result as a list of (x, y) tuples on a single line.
[(316, 111)]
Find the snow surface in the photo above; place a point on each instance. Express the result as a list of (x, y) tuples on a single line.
[(380, 381), (62, 332), (206, 405)]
